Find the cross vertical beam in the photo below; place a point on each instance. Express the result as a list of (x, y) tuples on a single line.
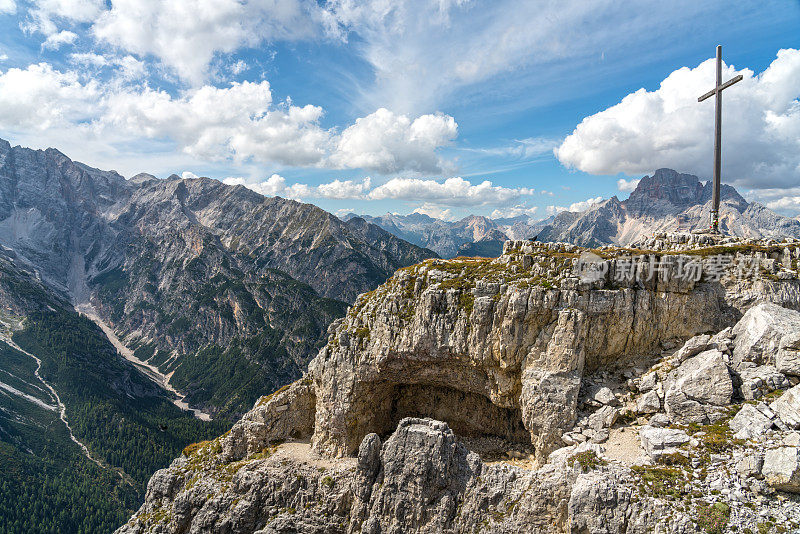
[(717, 92)]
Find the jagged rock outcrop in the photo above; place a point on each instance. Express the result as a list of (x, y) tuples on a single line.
[(500, 395), (502, 345)]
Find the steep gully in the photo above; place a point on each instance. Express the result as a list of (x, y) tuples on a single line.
[(79, 290)]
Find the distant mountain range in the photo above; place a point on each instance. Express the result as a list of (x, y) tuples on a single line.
[(667, 201), (203, 294), (471, 236)]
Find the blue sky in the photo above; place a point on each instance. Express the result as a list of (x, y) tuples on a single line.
[(448, 107)]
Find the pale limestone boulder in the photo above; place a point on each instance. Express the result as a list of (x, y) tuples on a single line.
[(648, 403), (787, 407), (660, 441), (787, 360), (782, 468), (760, 331), (750, 422), (757, 381), (692, 347), (603, 418), (699, 389), (750, 464), (604, 395)]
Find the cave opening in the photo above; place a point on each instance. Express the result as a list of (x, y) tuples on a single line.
[(469, 415)]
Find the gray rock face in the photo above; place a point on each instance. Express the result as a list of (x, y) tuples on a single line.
[(699, 390), (787, 407), (287, 413), (787, 360), (750, 422), (660, 441), (648, 403), (420, 463), (757, 381), (667, 201), (759, 334), (420, 481), (782, 468)]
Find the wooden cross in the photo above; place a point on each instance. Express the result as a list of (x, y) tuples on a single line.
[(717, 91)]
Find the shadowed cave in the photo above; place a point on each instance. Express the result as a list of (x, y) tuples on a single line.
[(467, 414)]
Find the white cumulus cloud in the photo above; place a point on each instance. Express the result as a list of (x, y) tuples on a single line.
[(238, 123), (48, 16), (575, 206), (186, 34), (386, 142), (435, 211), (627, 186), (40, 97), (54, 41), (8, 7), (451, 192), (667, 127)]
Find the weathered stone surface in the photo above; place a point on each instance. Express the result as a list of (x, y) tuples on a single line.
[(782, 468), (604, 395), (693, 347), (757, 381), (749, 422), (787, 360), (603, 418), (286, 414), (648, 403), (760, 331), (750, 464), (495, 357), (660, 441), (420, 463), (787, 407), (699, 388)]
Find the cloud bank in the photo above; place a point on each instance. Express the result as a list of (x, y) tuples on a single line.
[(669, 128), (240, 122)]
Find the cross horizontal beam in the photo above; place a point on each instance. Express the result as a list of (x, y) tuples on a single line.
[(725, 85)]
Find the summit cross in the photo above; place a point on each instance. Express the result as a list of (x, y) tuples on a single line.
[(717, 91)]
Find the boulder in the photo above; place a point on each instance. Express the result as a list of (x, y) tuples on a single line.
[(699, 389), (659, 420), (648, 382), (750, 422), (760, 332), (693, 347), (787, 360), (604, 395), (750, 465), (757, 381), (660, 441), (782, 468), (787, 407), (648, 403), (414, 482), (603, 418)]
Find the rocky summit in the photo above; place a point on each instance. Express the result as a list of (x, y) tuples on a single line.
[(666, 201), (653, 388)]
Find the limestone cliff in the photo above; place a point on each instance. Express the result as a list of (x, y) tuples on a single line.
[(512, 395)]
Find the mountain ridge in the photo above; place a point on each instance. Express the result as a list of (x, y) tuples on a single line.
[(666, 201)]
